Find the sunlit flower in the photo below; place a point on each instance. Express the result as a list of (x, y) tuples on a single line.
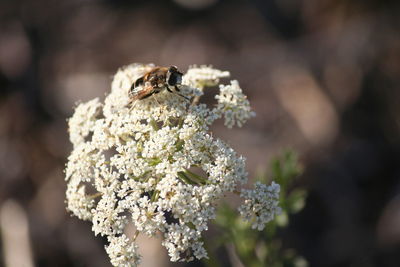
[(154, 164)]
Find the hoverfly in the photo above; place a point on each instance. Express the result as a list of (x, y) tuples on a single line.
[(156, 80)]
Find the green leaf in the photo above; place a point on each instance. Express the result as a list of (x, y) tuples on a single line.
[(285, 168), (179, 145), (296, 200), (184, 178), (154, 125), (154, 161), (282, 219), (196, 178)]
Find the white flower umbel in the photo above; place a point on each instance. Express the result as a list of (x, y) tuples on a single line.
[(154, 164), (260, 205), (122, 251)]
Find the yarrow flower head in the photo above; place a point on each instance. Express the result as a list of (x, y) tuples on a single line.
[(153, 164)]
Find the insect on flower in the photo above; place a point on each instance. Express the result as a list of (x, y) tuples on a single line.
[(127, 190), (156, 80)]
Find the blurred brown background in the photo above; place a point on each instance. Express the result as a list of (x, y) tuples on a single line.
[(322, 75)]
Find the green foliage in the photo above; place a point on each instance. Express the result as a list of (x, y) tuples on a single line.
[(258, 249)]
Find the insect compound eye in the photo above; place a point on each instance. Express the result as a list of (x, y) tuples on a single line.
[(174, 79)]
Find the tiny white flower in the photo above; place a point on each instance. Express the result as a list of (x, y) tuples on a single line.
[(83, 121), (79, 203), (122, 252), (234, 105), (260, 205)]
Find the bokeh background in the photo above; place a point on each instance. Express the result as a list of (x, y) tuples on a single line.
[(322, 75)]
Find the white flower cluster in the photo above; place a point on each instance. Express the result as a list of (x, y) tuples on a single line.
[(260, 204), (234, 105), (122, 251), (200, 77), (153, 164)]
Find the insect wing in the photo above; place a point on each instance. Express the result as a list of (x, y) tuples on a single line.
[(142, 92)]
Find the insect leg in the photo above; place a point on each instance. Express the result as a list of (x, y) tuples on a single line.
[(133, 104), (177, 90), (155, 98)]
